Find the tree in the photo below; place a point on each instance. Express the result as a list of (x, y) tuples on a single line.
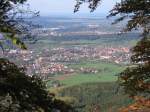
[(137, 11), (12, 21), (15, 85), (136, 79), (22, 93), (8, 21), (93, 4), (19, 92)]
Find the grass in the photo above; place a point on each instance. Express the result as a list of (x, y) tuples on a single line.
[(88, 78), (97, 65), (108, 72)]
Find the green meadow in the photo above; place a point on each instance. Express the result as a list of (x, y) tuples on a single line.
[(107, 72)]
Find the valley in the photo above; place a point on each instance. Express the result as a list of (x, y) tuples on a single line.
[(79, 59)]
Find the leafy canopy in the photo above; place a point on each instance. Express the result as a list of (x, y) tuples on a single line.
[(135, 79), (22, 93), (12, 22)]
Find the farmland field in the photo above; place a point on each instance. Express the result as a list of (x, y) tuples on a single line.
[(79, 63), (107, 73)]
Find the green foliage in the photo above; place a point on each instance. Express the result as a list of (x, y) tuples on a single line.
[(21, 93), (8, 22), (141, 52), (89, 95), (92, 4), (136, 10), (16, 41), (136, 79)]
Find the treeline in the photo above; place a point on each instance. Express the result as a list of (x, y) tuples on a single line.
[(103, 97)]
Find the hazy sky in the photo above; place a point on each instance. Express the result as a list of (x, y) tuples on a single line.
[(48, 7)]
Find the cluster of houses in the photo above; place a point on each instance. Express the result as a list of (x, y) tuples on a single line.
[(54, 68), (117, 55), (51, 62), (89, 70)]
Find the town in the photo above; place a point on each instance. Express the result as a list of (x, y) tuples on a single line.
[(50, 62)]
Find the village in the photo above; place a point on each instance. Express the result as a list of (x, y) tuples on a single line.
[(51, 62)]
